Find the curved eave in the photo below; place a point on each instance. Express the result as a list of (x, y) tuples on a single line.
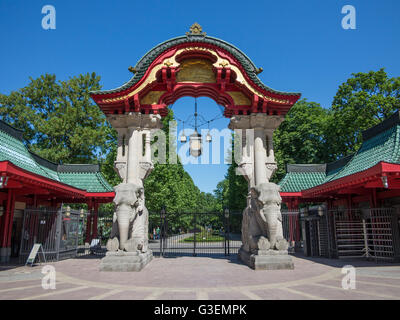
[(146, 61), (101, 196), (291, 194), (355, 179), (25, 176)]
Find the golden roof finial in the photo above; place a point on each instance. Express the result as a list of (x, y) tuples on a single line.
[(258, 70), (196, 29), (132, 69)]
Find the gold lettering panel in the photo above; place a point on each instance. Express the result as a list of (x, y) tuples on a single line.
[(152, 97), (196, 70), (239, 98)]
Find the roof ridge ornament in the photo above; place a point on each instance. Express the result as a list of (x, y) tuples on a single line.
[(196, 30), (132, 69)]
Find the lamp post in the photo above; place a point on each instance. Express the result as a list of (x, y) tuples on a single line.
[(226, 214), (163, 212)]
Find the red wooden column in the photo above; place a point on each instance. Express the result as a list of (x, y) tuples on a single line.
[(95, 213), (89, 223), (6, 227)]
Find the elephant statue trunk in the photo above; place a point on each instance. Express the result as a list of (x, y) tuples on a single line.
[(271, 215), (262, 220), (126, 200), (124, 217)]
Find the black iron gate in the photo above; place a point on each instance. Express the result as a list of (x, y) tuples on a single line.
[(195, 234)]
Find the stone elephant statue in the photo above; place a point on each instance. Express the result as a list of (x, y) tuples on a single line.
[(262, 220), (130, 219)]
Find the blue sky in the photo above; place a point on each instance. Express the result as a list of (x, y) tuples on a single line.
[(300, 44)]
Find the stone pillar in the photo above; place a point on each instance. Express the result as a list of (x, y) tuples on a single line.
[(134, 155), (129, 250), (263, 246), (260, 170)]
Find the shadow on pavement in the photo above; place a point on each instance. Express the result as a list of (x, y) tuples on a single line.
[(339, 263)]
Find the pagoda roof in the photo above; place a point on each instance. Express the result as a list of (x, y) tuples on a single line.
[(81, 176), (302, 176), (380, 143), (381, 146), (145, 62)]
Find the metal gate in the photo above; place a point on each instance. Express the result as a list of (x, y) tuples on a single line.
[(195, 234), (291, 229), (60, 231), (366, 233)]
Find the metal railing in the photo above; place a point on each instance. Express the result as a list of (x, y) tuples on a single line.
[(364, 233), (197, 234), (59, 230), (291, 229)]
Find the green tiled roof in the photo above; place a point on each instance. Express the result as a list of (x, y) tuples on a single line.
[(13, 149), (143, 64), (89, 181), (381, 143), (302, 176), (384, 146), (84, 177)]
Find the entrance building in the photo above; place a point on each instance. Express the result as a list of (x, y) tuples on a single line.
[(350, 207), (29, 181)]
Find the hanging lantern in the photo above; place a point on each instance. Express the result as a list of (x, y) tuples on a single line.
[(183, 138), (195, 144), (208, 136)]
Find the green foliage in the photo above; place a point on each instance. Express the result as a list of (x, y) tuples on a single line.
[(312, 134), (60, 121), (170, 185), (363, 101), (301, 138)]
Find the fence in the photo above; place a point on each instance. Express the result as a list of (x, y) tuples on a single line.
[(291, 229), (204, 234), (60, 231), (356, 233)]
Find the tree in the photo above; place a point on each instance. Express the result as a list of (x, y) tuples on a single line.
[(302, 137), (363, 101), (60, 121)]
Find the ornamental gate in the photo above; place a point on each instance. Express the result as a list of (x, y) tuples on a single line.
[(194, 65), (195, 234)]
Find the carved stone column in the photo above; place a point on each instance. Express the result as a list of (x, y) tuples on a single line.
[(263, 245), (132, 164), (128, 244), (259, 166)]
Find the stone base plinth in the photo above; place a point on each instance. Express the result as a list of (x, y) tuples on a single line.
[(122, 261), (267, 260)]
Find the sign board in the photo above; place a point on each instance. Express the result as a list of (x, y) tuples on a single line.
[(95, 242), (34, 252)]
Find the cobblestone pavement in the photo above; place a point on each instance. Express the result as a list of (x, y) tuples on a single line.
[(203, 278)]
